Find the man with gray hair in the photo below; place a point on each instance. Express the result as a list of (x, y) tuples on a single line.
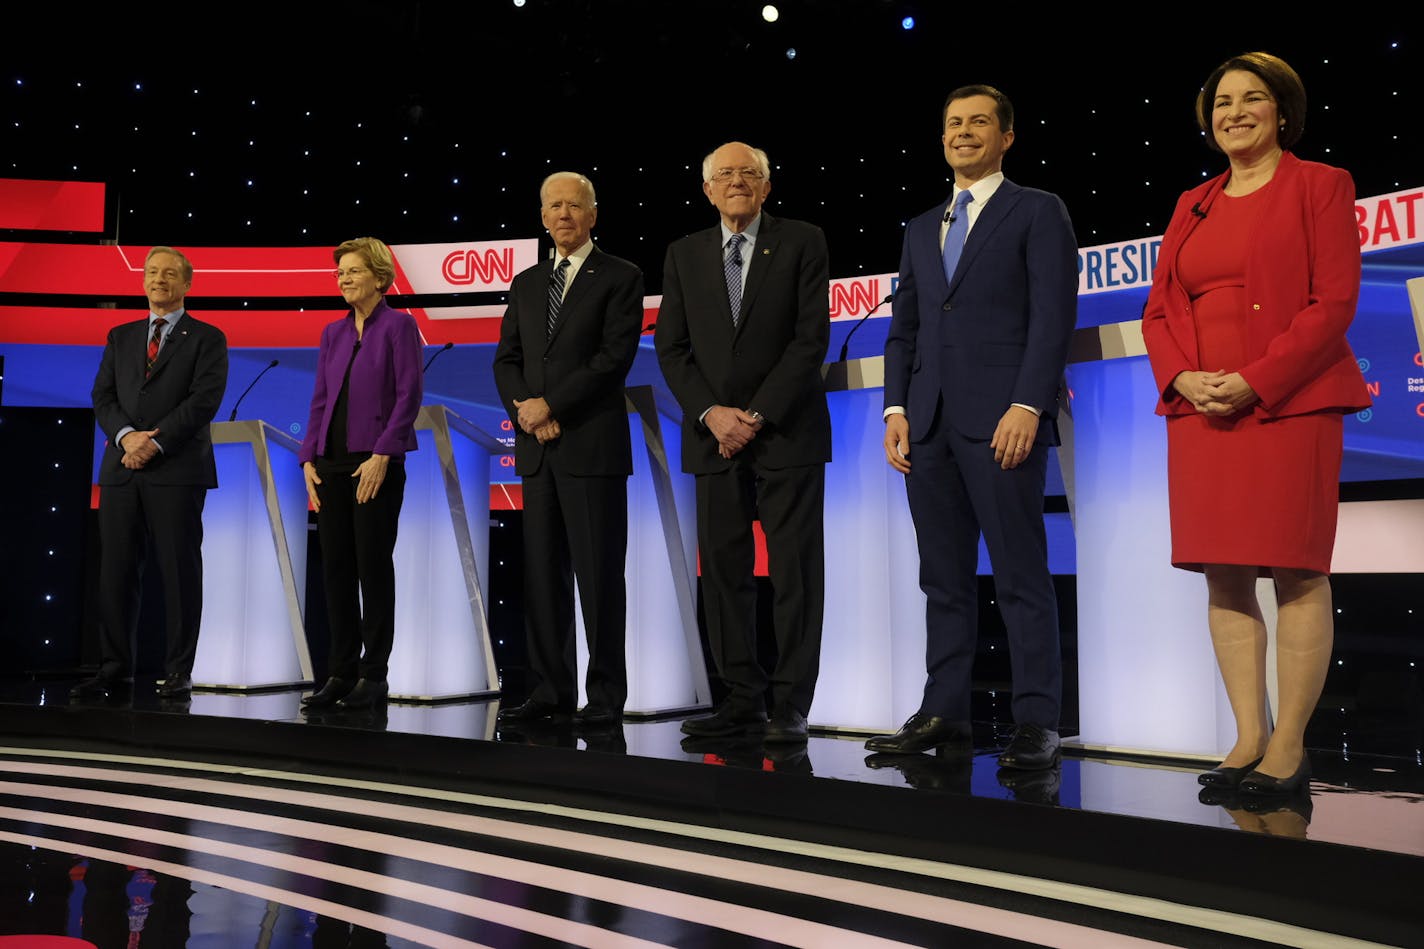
[(566, 344), (741, 336)]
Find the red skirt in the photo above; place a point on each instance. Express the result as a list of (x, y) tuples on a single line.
[(1255, 492)]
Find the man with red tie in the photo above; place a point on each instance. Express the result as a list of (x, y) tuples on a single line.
[(159, 385)]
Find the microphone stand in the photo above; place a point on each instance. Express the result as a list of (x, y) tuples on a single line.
[(233, 416), (845, 346), (437, 353)]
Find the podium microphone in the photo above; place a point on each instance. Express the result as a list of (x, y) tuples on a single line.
[(845, 346), (233, 416), (437, 353)]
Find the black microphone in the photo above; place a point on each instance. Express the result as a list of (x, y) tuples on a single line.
[(845, 346), (949, 216), (1197, 210), (437, 353), (233, 416)]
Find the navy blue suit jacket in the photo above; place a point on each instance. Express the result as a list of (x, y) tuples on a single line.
[(998, 332)]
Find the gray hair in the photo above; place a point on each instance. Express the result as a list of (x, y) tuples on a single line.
[(583, 181), (762, 162)]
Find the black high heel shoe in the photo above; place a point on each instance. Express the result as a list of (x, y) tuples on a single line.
[(1224, 777), (1259, 784)]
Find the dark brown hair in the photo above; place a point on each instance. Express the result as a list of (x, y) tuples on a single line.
[(1282, 81), (1003, 108)]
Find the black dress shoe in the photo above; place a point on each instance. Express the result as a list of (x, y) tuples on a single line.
[(787, 725), (175, 686), (532, 711), (365, 694), (728, 720), (1260, 784), (1031, 749), (101, 687), (597, 716), (736, 750), (922, 732), (1224, 777), (328, 694)]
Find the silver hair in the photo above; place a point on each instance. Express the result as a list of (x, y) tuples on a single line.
[(583, 181), (762, 162)]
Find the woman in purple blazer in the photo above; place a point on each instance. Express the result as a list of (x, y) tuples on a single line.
[(368, 391)]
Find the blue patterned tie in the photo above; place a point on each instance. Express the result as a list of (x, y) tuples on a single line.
[(733, 267), (556, 293), (954, 237)]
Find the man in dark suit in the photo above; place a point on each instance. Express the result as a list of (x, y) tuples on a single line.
[(566, 344), (159, 385), (974, 362), (741, 336)]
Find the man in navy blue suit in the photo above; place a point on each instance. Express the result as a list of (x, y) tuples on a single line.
[(974, 363)]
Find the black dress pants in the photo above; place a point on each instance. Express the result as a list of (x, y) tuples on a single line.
[(358, 543)]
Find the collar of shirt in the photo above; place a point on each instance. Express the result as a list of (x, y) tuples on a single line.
[(576, 260), (750, 234), (169, 322), (983, 190)]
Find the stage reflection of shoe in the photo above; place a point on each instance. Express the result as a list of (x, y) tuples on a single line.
[(787, 726), (787, 758), (1224, 777), (597, 716), (175, 686), (329, 694), (948, 769), (1213, 796), (1301, 804), (102, 687), (729, 719), (532, 711), (1032, 787), (608, 739), (1033, 748), (921, 732), (1260, 784), (556, 732), (365, 694), (740, 751)]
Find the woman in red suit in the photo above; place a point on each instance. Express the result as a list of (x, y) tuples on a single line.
[(1258, 278)]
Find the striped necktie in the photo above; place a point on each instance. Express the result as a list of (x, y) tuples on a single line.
[(733, 267), (556, 293), (153, 342)]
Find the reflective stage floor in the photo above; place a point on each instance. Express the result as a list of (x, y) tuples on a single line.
[(234, 820)]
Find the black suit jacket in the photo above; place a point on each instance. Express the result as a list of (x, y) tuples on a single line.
[(770, 363), (179, 399), (580, 371)]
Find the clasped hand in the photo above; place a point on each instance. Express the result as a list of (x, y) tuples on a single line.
[(1215, 393), (734, 429), (139, 449), (536, 418)]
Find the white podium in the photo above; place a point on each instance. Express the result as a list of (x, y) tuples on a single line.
[(254, 563), (442, 646), (666, 670)]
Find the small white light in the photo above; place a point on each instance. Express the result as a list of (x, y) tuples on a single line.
[(770, 14)]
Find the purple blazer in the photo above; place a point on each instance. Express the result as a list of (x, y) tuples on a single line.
[(387, 384)]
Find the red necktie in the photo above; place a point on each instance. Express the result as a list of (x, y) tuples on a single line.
[(153, 342)]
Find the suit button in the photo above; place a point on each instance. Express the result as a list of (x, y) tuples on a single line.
[(945, 308)]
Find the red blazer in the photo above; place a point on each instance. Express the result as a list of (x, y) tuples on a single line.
[(1302, 284)]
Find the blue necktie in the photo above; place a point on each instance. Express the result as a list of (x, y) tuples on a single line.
[(556, 293), (733, 267), (954, 237)]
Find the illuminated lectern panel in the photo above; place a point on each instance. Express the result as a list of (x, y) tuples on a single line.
[(442, 646), (666, 669), (254, 563)]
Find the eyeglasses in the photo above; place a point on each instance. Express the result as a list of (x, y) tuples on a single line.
[(724, 175), (353, 272)]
